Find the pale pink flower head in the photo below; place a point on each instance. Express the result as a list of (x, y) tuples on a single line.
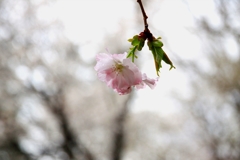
[(118, 72)]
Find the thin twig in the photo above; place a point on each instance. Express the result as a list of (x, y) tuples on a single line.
[(144, 14), (146, 34)]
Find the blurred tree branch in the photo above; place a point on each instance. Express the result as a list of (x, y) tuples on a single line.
[(71, 145), (119, 131)]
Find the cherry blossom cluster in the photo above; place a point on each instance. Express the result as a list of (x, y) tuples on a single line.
[(120, 73)]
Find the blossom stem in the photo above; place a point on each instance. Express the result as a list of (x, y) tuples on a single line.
[(144, 14)]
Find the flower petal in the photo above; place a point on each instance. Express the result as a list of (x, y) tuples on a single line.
[(104, 62), (147, 81)]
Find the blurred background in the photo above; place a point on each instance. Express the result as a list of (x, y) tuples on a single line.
[(53, 107)]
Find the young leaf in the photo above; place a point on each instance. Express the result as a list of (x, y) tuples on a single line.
[(168, 61), (131, 53), (157, 43), (137, 42), (141, 44), (158, 54)]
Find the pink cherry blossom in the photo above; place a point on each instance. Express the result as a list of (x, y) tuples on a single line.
[(120, 73)]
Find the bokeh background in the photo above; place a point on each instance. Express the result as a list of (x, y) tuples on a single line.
[(53, 107)]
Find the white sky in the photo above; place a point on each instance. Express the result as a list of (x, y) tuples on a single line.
[(88, 21)]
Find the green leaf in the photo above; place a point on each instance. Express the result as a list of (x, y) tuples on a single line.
[(168, 61), (141, 44), (157, 43), (134, 41), (158, 54), (131, 53), (137, 42)]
